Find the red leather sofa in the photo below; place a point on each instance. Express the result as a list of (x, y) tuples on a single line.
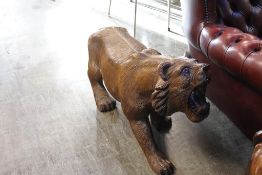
[(226, 34)]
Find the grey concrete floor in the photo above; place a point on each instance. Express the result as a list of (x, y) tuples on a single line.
[(49, 123)]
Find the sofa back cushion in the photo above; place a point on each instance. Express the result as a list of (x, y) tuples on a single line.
[(245, 15)]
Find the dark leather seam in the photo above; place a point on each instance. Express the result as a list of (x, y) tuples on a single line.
[(241, 12), (210, 42), (259, 6), (226, 53), (241, 69), (208, 46)]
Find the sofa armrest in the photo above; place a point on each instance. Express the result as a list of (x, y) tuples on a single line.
[(236, 52), (196, 14)]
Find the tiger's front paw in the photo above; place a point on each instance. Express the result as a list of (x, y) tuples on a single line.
[(106, 104), (161, 166)]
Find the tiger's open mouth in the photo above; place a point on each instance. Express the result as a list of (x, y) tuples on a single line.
[(197, 101)]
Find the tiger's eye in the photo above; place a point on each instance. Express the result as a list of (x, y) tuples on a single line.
[(185, 71)]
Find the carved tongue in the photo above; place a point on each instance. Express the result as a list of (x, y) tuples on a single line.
[(197, 99), (192, 102)]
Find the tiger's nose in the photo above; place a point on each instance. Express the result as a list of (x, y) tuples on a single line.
[(206, 73), (205, 67)]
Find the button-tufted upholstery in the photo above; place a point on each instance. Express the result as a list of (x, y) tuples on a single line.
[(226, 34), (242, 14), (238, 53)]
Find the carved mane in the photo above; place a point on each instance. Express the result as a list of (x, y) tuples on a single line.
[(160, 94)]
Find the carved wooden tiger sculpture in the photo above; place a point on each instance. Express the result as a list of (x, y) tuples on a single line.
[(147, 84)]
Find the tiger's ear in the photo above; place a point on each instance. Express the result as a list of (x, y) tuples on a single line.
[(163, 68), (160, 94)]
